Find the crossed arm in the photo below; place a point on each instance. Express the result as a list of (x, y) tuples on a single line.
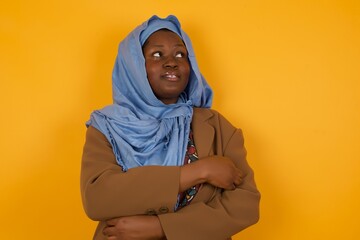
[(220, 172), (99, 193)]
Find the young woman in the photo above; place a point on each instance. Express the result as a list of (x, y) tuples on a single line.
[(159, 163)]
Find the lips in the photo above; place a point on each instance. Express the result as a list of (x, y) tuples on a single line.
[(171, 76)]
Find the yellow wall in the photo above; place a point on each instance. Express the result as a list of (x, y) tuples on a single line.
[(287, 72)]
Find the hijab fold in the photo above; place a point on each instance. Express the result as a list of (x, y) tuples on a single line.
[(141, 129)]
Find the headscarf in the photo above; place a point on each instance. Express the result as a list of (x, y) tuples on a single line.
[(141, 129)]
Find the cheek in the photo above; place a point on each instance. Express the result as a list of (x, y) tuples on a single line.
[(151, 71), (152, 76), (186, 71)]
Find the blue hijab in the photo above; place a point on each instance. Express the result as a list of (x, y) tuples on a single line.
[(143, 130)]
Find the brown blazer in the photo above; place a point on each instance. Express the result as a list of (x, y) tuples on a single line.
[(214, 214)]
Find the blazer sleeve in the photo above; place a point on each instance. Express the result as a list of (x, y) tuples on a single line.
[(228, 212), (108, 192)]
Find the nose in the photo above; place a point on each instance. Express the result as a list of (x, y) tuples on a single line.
[(170, 62)]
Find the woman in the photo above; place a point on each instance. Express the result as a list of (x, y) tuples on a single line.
[(159, 163)]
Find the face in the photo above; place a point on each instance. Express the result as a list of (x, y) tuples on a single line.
[(167, 65)]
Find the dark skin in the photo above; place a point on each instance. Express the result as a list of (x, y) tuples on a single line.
[(168, 70), (167, 65)]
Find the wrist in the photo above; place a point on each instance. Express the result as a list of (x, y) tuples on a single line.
[(201, 171), (160, 232), (191, 174)]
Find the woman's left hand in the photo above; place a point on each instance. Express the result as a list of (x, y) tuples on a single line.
[(140, 227)]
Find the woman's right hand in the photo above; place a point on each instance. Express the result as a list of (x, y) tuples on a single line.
[(221, 172), (216, 170)]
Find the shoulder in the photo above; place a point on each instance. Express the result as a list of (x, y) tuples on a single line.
[(205, 114), (212, 117), (93, 132), (95, 137)]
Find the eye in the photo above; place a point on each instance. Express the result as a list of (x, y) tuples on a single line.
[(156, 54), (180, 55)]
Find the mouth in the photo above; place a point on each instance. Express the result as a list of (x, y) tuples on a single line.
[(171, 76)]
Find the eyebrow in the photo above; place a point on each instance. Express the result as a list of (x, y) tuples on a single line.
[(159, 45)]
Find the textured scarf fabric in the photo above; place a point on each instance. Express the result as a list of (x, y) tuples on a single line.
[(141, 129)]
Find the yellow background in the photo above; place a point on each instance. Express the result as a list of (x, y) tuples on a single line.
[(286, 72)]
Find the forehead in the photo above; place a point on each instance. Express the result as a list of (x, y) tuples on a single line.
[(163, 36)]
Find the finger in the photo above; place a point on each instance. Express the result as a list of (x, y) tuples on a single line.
[(112, 222), (238, 181), (239, 178), (108, 231), (230, 187)]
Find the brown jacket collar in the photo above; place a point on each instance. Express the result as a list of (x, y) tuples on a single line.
[(202, 131)]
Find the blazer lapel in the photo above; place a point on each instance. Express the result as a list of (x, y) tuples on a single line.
[(203, 132)]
